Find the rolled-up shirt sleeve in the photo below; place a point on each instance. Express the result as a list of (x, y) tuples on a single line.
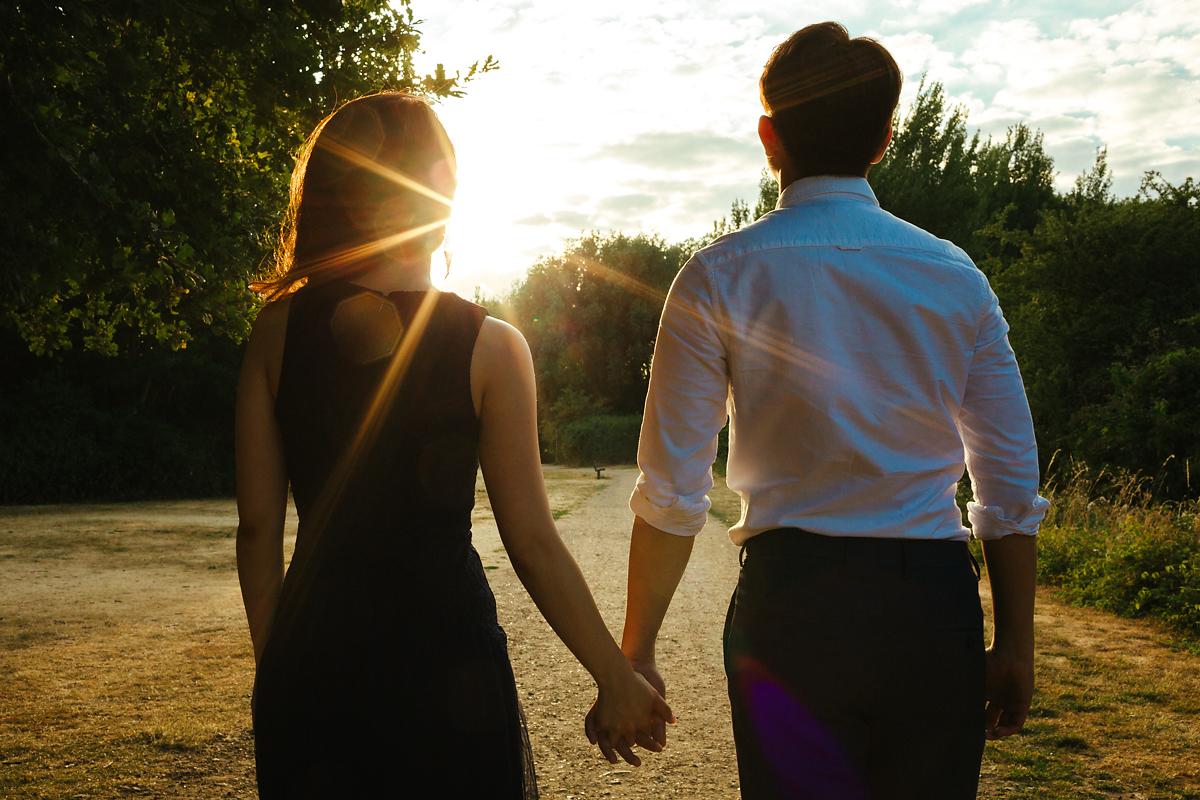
[(685, 409), (997, 432)]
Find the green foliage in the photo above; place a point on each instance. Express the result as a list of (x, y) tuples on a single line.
[(938, 177), (118, 428), (599, 439), (1107, 544), (1103, 301), (144, 165), (591, 315), (768, 194), (146, 151), (926, 177)]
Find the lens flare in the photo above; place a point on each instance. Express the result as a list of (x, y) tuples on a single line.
[(805, 757)]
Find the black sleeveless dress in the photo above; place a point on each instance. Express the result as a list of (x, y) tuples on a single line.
[(386, 673)]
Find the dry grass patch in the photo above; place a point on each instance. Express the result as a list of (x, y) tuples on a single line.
[(127, 667)]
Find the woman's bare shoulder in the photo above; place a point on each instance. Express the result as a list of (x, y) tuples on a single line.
[(264, 350), (501, 354), (498, 339), (272, 318), (270, 327)]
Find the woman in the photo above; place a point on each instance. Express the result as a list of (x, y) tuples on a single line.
[(380, 662)]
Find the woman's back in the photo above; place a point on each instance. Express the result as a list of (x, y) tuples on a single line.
[(385, 614), (374, 408)]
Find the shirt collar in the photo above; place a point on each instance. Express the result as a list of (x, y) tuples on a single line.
[(805, 189)]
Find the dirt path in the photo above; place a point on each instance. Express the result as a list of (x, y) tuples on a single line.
[(699, 760), (125, 667)]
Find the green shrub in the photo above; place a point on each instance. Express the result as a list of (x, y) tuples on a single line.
[(1107, 544), (599, 439), (136, 426)]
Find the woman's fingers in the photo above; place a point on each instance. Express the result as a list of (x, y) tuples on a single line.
[(1010, 722), (617, 732), (991, 717), (663, 710)]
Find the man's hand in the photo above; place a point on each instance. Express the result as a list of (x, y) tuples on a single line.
[(648, 670), (1009, 692), (1012, 571)]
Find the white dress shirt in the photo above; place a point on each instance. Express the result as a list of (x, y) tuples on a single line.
[(861, 361)]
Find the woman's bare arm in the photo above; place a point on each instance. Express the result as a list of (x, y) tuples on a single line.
[(503, 384), (261, 473)]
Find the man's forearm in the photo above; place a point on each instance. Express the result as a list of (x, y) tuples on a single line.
[(1012, 572), (656, 564)]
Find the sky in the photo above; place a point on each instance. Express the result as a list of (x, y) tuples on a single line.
[(640, 115)]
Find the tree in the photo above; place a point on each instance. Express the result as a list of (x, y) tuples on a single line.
[(1102, 300), (926, 176), (147, 147), (768, 194), (937, 176), (144, 164), (591, 316)]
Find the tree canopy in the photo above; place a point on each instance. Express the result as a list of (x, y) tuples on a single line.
[(144, 164), (147, 146)]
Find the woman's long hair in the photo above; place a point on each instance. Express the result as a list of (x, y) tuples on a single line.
[(374, 177)]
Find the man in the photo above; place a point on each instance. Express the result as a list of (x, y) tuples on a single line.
[(862, 362)]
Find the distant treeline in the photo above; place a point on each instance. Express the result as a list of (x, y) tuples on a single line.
[(1102, 295), (140, 193)]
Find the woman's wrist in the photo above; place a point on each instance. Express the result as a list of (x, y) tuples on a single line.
[(616, 668)]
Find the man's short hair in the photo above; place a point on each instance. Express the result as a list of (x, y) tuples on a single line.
[(830, 98)]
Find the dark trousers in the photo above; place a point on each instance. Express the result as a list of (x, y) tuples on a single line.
[(856, 668)]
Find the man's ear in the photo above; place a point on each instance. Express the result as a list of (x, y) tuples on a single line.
[(887, 139), (770, 142)]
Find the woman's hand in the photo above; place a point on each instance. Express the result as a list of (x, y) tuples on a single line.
[(628, 712)]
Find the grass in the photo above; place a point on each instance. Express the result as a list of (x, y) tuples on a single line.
[(125, 660), (1107, 543), (567, 487), (126, 668), (1116, 700)]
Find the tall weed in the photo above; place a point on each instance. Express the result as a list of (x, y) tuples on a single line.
[(1108, 542)]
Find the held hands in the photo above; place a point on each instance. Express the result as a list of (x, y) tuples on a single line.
[(629, 711), (1009, 692)]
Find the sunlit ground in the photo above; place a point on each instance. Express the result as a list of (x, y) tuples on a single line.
[(127, 665)]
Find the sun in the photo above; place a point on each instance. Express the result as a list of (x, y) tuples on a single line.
[(499, 220)]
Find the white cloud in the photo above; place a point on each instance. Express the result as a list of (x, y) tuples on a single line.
[(1109, 81), (921, 13), (641, 115)]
